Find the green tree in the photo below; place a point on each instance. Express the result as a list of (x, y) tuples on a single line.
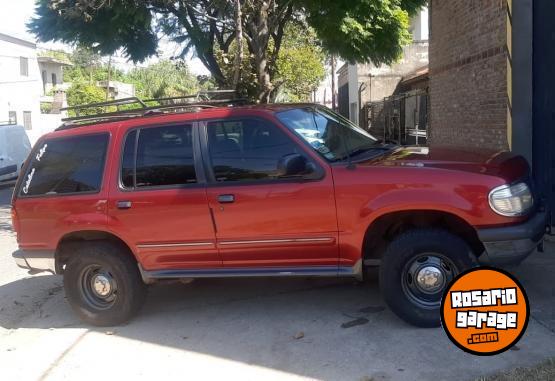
[(163, 79), (357, 30), (87, 66), (300, 64), (81, 93)]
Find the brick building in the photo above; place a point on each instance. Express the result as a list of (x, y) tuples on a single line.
[(492, 75), (468, 73)]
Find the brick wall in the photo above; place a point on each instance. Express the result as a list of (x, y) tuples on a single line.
[(468, 73)]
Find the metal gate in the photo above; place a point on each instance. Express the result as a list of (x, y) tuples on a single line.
[(400, 119)]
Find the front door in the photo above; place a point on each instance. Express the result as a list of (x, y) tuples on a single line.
[(263, 220), (160, 205)]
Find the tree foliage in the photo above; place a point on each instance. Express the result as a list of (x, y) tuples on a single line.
[(81, 93), (300, 64), (357, 30), (163, 79)]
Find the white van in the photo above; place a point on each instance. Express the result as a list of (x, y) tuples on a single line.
[(14, 149)]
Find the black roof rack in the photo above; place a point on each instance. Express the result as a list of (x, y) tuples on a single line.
[(134, 107)]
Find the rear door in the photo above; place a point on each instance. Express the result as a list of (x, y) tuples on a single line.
[(263, 220), (158, 204)]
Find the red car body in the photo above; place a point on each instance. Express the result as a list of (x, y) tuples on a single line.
[(330, 226)]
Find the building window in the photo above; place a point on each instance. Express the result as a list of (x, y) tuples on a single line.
[(24, 66), (43, 74), (12, 115), (27, 120), (54, 81)]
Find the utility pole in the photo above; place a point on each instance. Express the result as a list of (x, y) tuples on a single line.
[(109, 78), (333, 82)]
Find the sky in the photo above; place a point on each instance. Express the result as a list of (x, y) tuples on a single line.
[(16, 14)]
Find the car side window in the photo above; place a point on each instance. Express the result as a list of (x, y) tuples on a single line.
[(66, 166), (247, 149), (158, 156)]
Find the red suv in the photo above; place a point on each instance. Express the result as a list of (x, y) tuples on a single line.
[(119, 202)]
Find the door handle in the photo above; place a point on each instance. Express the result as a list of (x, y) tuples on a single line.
[(226, 198), (124, 204)]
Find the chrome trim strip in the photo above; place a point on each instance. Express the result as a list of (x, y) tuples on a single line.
[(151, 246), (292, 240)]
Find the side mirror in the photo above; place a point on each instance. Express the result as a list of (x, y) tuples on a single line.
[(295, 165)]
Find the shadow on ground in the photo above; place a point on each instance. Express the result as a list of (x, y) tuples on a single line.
[(320, 328)]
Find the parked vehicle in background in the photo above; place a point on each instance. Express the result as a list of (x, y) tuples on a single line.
[(118, 201), (14, 150)]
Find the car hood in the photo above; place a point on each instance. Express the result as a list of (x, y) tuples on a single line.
[(496, 163)]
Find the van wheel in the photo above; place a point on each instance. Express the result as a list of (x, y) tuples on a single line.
[(103, 284), (416, 269)]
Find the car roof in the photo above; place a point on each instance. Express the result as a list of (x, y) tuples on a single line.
[(159, 118)]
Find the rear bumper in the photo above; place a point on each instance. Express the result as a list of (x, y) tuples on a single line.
[(35, 260), (512, 244)]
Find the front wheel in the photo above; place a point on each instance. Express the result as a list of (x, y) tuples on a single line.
[(416, 269), (103, 284)]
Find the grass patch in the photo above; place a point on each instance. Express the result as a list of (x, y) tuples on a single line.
[(542, 372)]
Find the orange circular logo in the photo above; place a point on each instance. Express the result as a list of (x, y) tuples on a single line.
[(485, 311)]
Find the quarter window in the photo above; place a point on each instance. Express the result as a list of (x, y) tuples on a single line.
[(247, 150), (159, 156), (66, 165)]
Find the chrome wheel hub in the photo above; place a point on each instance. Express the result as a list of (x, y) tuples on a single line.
[(101, 285), (430, 279), (98, 287), (425, 277)]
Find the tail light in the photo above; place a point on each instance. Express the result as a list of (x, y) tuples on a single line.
[(15, 222)]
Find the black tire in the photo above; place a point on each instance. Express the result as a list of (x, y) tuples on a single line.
[(411, 256), (93, 263)]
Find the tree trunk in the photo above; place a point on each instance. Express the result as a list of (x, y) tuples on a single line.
[(260, 41), (239, 38)]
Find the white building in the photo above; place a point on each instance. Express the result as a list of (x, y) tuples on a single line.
[(21, 87), (52, 74), (20, 82)]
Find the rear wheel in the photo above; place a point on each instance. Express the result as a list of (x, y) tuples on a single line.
[(103, 284), (416, 269)]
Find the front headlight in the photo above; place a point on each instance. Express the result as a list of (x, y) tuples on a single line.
[(511, 200)]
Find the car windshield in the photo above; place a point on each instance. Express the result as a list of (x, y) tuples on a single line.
[(331, 135)]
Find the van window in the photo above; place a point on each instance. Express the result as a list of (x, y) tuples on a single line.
[(18, 143), (66, 165)]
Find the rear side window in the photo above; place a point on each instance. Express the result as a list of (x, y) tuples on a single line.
[(66, 165), (159, 156)]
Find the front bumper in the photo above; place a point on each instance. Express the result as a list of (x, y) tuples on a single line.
[(512, 244), (35, 261)]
